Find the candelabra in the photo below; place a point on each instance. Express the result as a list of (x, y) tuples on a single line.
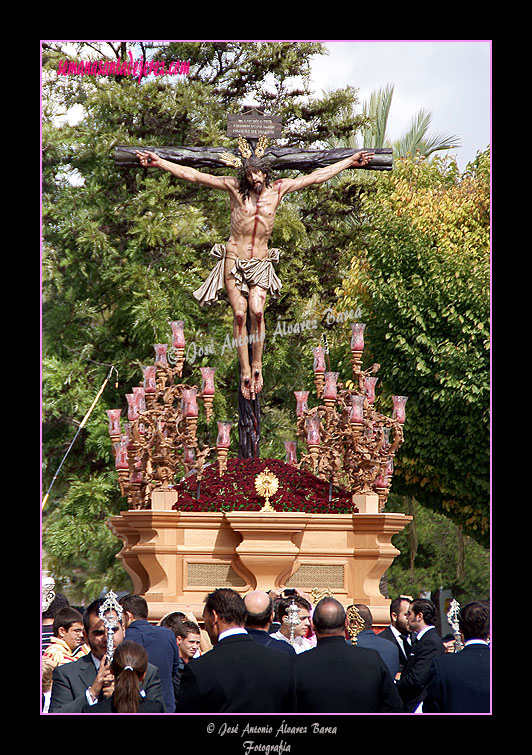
[(348, 442), (160, 438)]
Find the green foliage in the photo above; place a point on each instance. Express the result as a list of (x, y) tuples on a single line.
[(434, 554), (421, 276)]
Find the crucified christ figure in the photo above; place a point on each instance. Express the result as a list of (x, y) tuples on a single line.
[(245, 264)]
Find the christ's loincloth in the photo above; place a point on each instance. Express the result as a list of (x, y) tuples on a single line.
[(247, 273)]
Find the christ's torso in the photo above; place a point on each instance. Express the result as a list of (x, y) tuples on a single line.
[(252, 222)]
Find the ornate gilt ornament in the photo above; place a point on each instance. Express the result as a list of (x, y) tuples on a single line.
[(319, 593), (355, 623), (266, 485)]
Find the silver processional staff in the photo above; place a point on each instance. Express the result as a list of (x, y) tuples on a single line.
[(111, 614)]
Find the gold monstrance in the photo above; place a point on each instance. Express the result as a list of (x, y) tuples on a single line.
[(266, 484)]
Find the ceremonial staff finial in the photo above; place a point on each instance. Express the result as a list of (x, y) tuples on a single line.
[(292, 614), (355, 623), (452, 618), (110, 620)]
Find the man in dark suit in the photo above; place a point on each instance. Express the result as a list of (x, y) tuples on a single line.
[(426, 646), (159, 642), (460, 682), (259, 606), (397, 631), (336, 677), (238, 675), (89, 679), (368, 639)]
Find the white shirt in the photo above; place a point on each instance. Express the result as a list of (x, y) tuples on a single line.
[(300, 643), (230, 632)]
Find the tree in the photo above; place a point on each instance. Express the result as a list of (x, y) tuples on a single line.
[(415, 139), (440, 556), (421, 276), (123, 251)]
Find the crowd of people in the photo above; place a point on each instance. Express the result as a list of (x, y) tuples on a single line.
[(248, 654)]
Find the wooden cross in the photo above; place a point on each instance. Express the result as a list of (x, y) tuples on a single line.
[(251, 125)]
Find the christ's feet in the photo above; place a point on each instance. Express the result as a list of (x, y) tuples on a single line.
[(257, 379), (246, 386), (251, 385)]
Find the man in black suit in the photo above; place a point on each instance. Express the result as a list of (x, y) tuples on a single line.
[(426, 646), (89, 679), (238, 675), (397, 631), (460, 682), (259, 606), (336, 677)]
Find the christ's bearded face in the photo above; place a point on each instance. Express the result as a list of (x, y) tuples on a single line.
[(256, 180)]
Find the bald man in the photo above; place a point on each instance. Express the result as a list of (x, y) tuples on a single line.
[(259, 606), (336, 677)]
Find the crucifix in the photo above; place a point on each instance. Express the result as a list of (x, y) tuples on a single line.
[(245, 264)]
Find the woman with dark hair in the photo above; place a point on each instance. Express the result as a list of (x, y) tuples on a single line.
[(129, 665)]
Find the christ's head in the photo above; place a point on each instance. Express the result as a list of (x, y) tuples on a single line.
[(253, 176)]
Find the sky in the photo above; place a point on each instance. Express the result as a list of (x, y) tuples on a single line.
[(450, 78)]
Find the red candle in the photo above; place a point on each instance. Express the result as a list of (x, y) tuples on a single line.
[(319, 359), (207, 374), (330, 389), (121, 461), (133, 409), (189, 402), (399, 408), (369, 384), (114, 421), (223, 440), (356, 413), (178, 337), (301, 398), (313, 430), (150, 382), (357, 336), (291, 454), (160, 352)]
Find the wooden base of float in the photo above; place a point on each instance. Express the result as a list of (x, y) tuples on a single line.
[(175, 558)]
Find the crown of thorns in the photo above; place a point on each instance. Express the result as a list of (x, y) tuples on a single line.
[(245, 150)]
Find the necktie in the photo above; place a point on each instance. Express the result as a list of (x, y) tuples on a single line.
[(406, 645)]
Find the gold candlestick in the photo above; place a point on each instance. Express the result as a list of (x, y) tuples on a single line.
[(319, 382), (222, 459), (207, 403)]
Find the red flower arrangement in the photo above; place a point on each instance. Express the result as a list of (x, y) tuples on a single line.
[(299, 491)]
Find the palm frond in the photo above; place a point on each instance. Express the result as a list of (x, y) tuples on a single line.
[(378, 109), (415, 139)]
